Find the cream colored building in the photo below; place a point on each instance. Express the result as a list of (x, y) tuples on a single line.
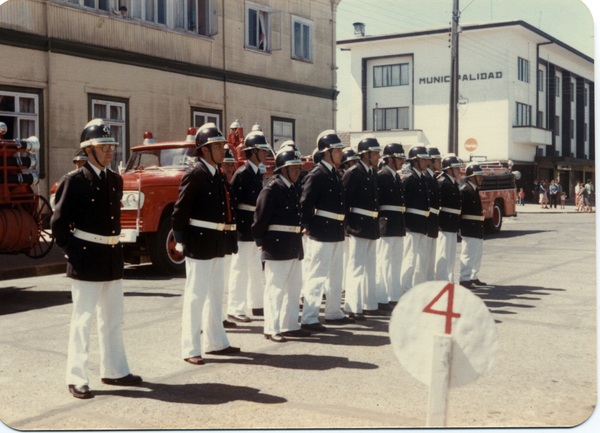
[(167, 65)]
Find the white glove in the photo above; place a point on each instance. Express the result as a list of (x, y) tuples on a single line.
[(179, 247)]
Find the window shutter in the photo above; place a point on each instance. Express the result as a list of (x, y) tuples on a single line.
[(275, 27), (213, 20)]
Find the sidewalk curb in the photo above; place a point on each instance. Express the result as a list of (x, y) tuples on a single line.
[(33, 271)]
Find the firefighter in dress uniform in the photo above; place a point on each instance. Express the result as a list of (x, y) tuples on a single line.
[(80, 158), (416, 194), (471, 227), (391, 226), (449, 218), (430, 177), (323, 207), (278, 233), (199, 220), (349, 159), (362, 224), (235, 138), (86, 225), (246, 288)]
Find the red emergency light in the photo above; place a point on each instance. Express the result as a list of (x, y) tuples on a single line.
[(148, 138)]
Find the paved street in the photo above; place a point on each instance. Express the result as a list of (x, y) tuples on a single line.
[(542, 274)]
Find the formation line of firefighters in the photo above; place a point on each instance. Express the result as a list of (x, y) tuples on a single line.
[(341, 227)]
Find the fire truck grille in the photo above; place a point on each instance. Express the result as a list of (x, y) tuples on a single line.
[(128, 221)]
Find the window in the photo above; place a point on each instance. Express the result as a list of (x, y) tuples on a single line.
[(540, 119), (154, 11), (523, 114), (390, 118), (557, 125), (523, 70), (259, 20), (572, 126), (557, 86), (20, 113), (390, 75), (585, 97), (302, 38), (198, 16), (114, 115), (585, 132), (572, 92), (283, 129), (540, 80), (201, 116), (103, 5)]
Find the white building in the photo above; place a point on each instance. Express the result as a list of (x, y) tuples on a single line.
[(524, 96)]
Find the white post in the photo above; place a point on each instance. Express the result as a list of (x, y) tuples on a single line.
[(440, 380)]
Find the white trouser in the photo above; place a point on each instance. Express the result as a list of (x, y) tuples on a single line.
[(282, 295), (306, 247), (445, 256), (324, 271), (470, 258), (430, 259), (346, 255), (204, 283), (245, 281), (361, 286), (106, 297), (389, 263), (226, 272), (413, 262)]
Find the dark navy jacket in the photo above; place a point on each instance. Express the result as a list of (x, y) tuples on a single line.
[(391, 192), (83, 202), (416, 196), (323, 190), (434, 202), (278, 204), (201, 197), (231, 237), (246, 185), (361, 192), (449, 198), (471, 205)]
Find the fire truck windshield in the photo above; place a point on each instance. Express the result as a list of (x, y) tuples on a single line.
[(162, 159)]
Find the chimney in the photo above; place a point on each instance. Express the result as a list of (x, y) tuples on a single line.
[(359, 29)]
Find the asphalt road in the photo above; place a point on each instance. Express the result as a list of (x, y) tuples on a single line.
[(541, 271)]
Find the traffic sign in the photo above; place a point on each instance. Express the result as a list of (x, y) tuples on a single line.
[(471, 144)]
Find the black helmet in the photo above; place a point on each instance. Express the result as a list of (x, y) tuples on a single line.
[(317, 156), (285, 157), (256, 140), (80, 155), (228, 155), (96, 132), (328, 140), (207, 134), (392, 150), (418, 152), (349, 155), (474, 170), (433, 152), (450, 161), (369, 144), (292, 144)]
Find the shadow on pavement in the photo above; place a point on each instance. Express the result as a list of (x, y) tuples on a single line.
[(148, 272), (497, 298), (294, 362), (19, 299), (504, 234), (194, 393), (162, 295)]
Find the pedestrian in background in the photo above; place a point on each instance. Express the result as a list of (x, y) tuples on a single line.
[(522, 197), (535, 192), (553, 189), (578, 197), (544, 195)]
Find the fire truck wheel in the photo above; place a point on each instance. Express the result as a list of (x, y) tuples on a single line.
[(494, 224), (162, 250)]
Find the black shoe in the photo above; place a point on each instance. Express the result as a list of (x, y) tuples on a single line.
[(277, 338), (385, 307), (227, 351), (314, 327), (228, 324), (342, 321), (258, 312), (478, 283), (466, 284), (128, 380), (374, 313), (195, 360), (296, 333), (357, 316), (242, 318), (82, 391)]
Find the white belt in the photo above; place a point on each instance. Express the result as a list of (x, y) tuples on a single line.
[(230, 227), (434, 210), (392, 208), (450, 210), (284, 228), (207, 225), (247, 207), (369, 213), (97, 239), (330, 215), (473, 217), (424, 213)]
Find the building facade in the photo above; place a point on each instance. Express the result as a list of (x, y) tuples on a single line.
[(162, 67), (524, 96)]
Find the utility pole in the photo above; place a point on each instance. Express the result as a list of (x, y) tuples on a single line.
[(453, 123)]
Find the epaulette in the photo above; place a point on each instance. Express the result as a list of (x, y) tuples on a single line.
[(463, 186), (272, 181), (242, 168), (315, 168), (73, 171)]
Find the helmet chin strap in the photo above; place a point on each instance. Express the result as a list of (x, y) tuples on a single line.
[(96, 158)]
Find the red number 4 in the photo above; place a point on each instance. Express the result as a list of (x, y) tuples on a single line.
[(448, 313)]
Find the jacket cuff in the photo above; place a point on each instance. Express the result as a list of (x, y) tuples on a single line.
[(178, 236)]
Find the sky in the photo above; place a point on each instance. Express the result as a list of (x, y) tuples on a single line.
[(567, 20)]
